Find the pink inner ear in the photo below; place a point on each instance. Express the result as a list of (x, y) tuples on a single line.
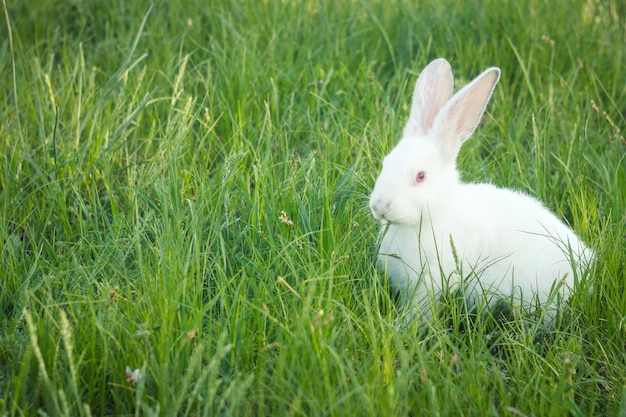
[(433, 89), (438, 96), (458, 119), (431, 111)]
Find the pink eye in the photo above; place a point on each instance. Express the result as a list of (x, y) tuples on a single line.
[(421, 176)]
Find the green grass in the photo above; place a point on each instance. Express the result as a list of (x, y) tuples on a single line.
[(147, 155)]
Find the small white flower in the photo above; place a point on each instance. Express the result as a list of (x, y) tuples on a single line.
[(132, 376)]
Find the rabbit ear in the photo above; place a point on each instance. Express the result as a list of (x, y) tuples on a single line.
[(458, 119), (432, 90)]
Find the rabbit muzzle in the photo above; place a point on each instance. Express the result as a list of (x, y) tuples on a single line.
[(380, 209)]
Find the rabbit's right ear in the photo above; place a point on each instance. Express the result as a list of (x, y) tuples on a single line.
[(432, 90)]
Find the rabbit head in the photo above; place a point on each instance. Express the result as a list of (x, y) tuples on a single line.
[(420, 172)]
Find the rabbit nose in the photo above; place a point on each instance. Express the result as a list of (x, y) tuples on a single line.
[(379, 208)]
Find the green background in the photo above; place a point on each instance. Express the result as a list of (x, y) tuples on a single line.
[(184, 191)]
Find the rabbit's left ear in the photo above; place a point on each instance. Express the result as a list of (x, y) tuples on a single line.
[(458, 119), (433, 89)]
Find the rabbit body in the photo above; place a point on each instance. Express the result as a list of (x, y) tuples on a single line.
[(437, 231), (508, 242)]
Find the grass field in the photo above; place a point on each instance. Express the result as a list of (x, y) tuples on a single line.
[(184, 220)]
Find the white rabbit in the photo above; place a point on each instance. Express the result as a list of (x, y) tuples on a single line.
[(437, 231)]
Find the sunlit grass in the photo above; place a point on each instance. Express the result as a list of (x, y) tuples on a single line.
[(184, 219)]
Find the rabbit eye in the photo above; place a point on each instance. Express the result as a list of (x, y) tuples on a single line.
[(420, 177)]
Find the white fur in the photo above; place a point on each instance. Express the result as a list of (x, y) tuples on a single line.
[(438, 231)]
